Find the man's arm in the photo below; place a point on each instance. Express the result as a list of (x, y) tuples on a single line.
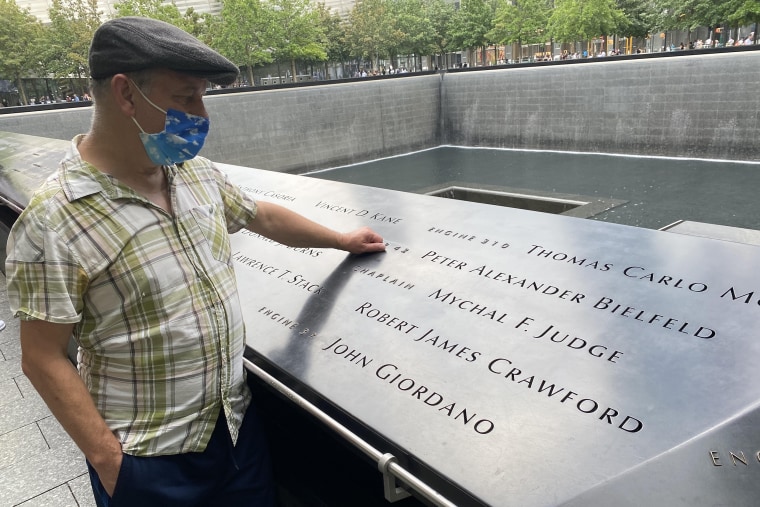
[(45, 362), (291, 229)]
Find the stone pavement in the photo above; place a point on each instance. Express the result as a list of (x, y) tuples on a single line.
[(39, 464)]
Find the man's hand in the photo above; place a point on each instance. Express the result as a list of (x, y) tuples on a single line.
[(289, 228), (363, 240), (45, 363), (108, 472)]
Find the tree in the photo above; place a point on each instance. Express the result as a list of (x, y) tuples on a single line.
[(297, 33), (198, 24), (473, 22), (689, 14), (369, 30), (154, 9), (574, 20), (72, 25), (743, 12), (638, 18), (520, 22), (191, 21), (335, 37), (441, 14), (412, 30), (20, 37), (242, 33)]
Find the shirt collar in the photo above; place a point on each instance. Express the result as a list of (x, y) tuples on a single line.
[(80, 179)]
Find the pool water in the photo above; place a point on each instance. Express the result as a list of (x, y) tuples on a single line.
[(656, 191)]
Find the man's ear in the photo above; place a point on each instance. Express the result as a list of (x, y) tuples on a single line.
[(123, 93)]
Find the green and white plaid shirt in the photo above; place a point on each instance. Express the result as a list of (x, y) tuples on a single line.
[(153, 296)]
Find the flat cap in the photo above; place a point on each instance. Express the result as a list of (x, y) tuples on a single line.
[(133, 43)]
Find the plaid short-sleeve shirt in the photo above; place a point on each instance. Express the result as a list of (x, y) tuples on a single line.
[(152, 295)]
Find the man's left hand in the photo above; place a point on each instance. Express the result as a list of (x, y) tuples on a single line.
[(362, 240)]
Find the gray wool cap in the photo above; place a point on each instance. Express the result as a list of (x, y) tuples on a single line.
[(132, 43)]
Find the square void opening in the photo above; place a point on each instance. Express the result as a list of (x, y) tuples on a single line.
[(560, 204), (508, 199)]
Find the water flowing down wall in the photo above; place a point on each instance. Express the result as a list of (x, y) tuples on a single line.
[(704, 105)]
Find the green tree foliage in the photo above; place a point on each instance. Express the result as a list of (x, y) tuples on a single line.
[(520, 21), (473, 22), (257, 32), (335, 37), (413, 30), (20, 37), (573, 20), (638, 18), (242, 32), (689, 14), (441, 14), (154, 9), (370, 30), (191, 21), (72, 24), (743, 12), (296, 32)]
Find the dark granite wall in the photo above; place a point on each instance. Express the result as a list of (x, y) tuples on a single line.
[(300, 129), (701, 105)]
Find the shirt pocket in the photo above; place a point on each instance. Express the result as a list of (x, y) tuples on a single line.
[(212, 225)]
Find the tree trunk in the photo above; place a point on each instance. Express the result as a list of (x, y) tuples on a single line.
[(21, 93), (293, 69)]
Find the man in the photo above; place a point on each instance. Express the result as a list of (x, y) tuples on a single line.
[(126, 247)]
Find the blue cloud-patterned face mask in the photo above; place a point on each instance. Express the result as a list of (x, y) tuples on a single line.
[(181, 140)]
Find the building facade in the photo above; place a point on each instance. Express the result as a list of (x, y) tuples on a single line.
[(40, 8)]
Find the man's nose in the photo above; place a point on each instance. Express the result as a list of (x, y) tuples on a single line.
[(199, 109)]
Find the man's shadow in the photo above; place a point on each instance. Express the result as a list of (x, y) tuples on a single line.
[(295, 356)]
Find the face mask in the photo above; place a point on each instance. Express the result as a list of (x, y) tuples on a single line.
[(181, 139)]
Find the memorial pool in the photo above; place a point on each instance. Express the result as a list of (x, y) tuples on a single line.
[(654, 191)]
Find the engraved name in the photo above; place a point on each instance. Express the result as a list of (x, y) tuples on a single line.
[(553, 335), (540, 251), (652, 318), (380, 217), (469, 306), (586, 405), (746, 297), (268, 193), (390, 374), (311, 252)]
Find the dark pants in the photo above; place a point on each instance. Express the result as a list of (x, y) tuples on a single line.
[(223, 475)]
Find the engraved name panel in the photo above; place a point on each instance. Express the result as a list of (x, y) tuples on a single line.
[(527, 358)]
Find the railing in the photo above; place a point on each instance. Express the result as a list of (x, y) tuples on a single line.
[(387, 464)]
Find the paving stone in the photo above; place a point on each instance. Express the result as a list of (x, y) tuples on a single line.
[(21, 443), (39, 473), (25, 386), (56, 497), (10, 368), (9, 391), (10, 348), (21, 412), (55, 436), (82, 491)]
